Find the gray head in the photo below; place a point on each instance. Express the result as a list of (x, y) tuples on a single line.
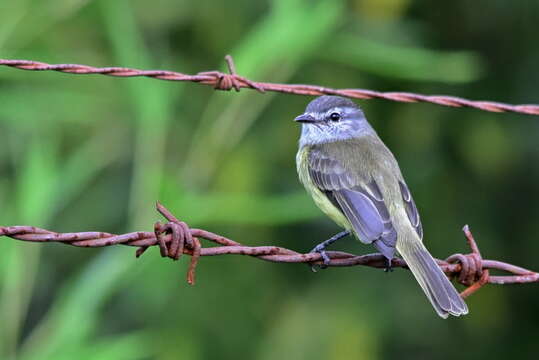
[(332, 118)]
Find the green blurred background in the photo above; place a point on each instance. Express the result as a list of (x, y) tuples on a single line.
[(82, 153)]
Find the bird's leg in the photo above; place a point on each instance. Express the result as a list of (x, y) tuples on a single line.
[(321, 248), (388, 267)]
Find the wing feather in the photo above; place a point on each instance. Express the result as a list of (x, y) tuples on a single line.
[(361, 202), (411, 209)]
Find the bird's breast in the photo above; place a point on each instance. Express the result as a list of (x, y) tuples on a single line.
[(319, 197)]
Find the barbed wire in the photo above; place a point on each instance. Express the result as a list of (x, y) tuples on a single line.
[(175, 238), (224, 81)]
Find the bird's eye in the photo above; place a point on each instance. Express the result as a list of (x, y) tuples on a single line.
[(335, 116)]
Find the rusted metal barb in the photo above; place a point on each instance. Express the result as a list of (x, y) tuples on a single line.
[(176, 238), (232, 80)]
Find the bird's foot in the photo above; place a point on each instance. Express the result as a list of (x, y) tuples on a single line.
[(388, 267), (321, 249)]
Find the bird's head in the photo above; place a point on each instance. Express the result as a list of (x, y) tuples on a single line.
[(332, 118)]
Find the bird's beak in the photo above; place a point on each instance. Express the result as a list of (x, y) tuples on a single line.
[(305, 118)]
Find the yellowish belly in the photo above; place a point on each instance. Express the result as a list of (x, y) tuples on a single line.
[(320, 199)]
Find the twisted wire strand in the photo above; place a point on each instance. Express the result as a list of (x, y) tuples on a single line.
[(224, 81), (176, 238)]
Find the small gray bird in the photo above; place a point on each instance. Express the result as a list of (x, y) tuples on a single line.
[(355, 179)]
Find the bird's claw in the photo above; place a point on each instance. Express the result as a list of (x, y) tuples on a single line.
[(320, 249)]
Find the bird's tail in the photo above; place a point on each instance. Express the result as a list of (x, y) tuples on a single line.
[(442, 294)]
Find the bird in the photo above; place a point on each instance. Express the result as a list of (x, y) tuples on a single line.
[(356, 181)]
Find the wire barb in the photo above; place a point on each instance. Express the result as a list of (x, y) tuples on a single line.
[(176, 238), (232, 80), (472, 273), (223, 81)]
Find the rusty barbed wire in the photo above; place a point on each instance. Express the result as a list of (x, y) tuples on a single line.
[(224, 81), (176, 238)]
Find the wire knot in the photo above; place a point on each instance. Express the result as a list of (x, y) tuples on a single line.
[(471, 269), (471, 272), (227, 82), (174, 239), (179, 239)]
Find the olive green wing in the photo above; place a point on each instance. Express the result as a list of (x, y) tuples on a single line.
[(360, 201), (411, 209)]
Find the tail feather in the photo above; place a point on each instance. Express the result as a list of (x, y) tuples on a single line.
[(442, 294)]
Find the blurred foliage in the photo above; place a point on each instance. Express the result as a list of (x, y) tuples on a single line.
[(94, 153)]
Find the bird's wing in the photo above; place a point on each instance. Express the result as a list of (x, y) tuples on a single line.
[(360, 201), (411, 209)]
